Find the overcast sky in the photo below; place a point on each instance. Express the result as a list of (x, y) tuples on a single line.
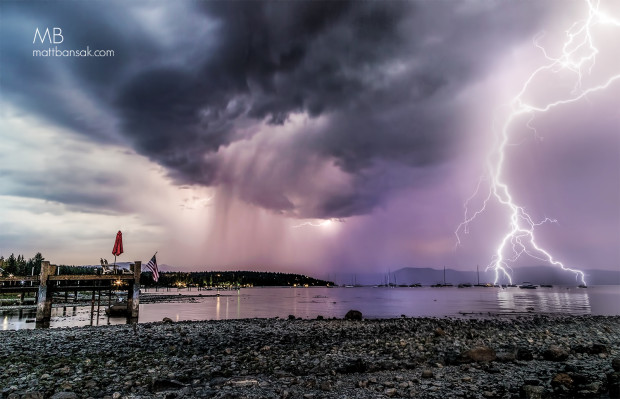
[(312, 137)]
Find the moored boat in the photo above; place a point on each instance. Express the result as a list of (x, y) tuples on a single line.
[(527, 286)]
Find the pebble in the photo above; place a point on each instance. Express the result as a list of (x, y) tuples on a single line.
[(259, 358)]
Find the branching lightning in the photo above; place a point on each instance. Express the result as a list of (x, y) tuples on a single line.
[(578, 57)]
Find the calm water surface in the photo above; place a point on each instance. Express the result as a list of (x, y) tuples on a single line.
[(335, 302)]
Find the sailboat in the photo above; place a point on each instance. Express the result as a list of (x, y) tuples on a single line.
[(478, 272)]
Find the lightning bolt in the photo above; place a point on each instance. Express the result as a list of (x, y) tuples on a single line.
[(320, 224), (577, 57)]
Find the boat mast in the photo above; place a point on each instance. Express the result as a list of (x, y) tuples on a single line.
[(478, 271)]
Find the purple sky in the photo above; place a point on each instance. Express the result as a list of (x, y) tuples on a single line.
[(312, 137)]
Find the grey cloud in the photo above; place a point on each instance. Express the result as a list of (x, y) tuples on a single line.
[(80, 190), (382, 74), (42, 85)]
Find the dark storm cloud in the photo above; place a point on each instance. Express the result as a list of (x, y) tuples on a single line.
[(42, 85), (271, 59), (383, 75)]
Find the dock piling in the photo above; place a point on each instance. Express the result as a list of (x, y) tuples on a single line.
[(133, 294), (44, 297)]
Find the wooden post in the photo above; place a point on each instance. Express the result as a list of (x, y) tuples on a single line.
[(92, 308), (133, 294), (44, 299), (98, 303)]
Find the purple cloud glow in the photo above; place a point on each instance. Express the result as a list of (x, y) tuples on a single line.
[(217, 127)]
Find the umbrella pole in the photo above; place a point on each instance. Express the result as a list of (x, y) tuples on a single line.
[(114, 264)]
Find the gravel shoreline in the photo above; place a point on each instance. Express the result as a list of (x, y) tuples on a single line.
[(524, 357)]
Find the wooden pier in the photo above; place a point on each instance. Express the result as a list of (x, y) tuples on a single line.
[(48, 283)]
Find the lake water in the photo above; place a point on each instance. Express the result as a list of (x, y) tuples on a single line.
[(383, 302)]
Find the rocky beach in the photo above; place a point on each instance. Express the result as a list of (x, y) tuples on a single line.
[(522, 357)]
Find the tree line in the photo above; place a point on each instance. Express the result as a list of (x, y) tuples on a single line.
[(230, 278), (19, 266)]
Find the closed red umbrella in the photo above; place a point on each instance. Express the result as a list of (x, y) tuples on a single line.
[(118, 246)]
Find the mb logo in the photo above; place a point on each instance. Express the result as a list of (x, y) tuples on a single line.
[(55, 36)]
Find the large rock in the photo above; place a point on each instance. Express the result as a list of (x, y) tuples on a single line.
[(524, 354), (353, 366), (353, 315), (555, 354), (599, 348), (562, 381), (479, 354), (615, 364), (506, 357), (613, 383)]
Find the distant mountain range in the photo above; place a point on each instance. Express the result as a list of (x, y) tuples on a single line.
[(533, 274), (426, 276)]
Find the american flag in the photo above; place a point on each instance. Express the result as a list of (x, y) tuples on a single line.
[(152, 265)]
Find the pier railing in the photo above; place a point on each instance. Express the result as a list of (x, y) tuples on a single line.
[(50, 283)]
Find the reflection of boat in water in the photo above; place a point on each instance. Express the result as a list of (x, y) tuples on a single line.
[(527, 286), (546, 285)]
